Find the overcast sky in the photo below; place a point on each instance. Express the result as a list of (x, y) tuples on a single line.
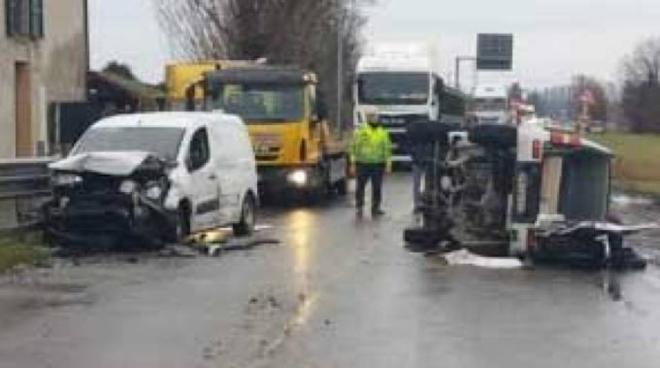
[(554, 39)]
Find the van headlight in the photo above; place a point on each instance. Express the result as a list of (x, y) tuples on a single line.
[(66, 180), (298, 178), (154, 192), (128, 187)]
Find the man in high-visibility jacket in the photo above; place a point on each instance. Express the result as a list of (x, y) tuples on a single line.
[(371, 153)]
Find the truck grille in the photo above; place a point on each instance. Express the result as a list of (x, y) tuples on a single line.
[(396, 125), (400, 121)]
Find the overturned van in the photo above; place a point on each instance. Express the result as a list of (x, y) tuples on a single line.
[(522, 191), (154, 177)]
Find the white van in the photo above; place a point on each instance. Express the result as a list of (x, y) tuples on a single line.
[(159, 176)]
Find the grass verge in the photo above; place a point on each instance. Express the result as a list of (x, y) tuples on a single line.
[(637, 162), (14, 252)]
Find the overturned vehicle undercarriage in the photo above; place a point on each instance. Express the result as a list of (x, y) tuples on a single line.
[(517, 191), (102, 198)]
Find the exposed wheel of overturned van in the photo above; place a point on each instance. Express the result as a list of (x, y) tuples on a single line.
[(429, 132), (501, 136), (248, 217)]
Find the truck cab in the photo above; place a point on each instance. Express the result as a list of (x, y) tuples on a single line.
[(490, 105), (404, 90), (294, 146)]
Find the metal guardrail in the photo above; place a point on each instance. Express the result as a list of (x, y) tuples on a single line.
[(23, 182), (24, 178)]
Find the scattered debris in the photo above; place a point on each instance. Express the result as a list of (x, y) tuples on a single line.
[(215, 242), (466, 258), (176, 250), (263, 303), (625, 200)]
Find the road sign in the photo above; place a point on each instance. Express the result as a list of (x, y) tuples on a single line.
[(494, 51)]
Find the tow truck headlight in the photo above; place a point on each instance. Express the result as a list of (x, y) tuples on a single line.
[(298, 178), (128, 187), (66, 180)]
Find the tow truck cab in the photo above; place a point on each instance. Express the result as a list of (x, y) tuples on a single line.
[(294, 146)]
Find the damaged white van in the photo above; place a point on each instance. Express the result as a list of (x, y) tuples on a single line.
[(154, 177)]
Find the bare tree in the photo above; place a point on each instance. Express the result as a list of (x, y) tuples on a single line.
[(585, 84), (120, 69), (298, 32), (641, 86)]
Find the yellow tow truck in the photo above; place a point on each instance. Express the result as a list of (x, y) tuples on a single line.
[(295, 148)]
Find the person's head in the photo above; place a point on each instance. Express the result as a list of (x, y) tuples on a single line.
[(371, 116)]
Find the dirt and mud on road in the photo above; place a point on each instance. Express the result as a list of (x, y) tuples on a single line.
[(337, 292)]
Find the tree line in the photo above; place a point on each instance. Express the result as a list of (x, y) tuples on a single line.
[(635, 103), (641, 87)]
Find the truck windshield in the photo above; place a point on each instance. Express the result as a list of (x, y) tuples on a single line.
[(162, 142), (260, 103), (394, 88), (490, 104)]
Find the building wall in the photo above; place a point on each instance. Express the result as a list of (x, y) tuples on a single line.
[(58, 64)]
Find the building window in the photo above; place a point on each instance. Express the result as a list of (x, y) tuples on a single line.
[(25, 18)]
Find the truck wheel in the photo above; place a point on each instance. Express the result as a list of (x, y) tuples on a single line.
[(248, 218)]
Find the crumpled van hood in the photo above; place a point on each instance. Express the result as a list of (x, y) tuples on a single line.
[(104, 163)]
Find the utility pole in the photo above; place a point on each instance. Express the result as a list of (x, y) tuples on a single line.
[(340, 63), (457, 74)]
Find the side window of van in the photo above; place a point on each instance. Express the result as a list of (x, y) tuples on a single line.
[(199, 154)]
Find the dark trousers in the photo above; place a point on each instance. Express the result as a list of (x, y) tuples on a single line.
[(373, 173)]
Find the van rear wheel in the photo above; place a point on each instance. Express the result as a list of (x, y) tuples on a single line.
[(248, 217)]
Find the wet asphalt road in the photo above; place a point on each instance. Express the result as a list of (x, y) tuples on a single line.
[(336, 293)]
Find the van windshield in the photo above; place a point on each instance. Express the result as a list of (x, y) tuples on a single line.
[(162, 142)]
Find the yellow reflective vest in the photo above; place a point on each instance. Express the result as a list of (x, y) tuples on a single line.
[(371, 145)]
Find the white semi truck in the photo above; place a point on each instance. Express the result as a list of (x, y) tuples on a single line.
[(400, 82)]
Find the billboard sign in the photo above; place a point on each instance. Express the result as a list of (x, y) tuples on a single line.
[(494, 51)]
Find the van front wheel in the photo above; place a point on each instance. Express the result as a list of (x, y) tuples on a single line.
[(248, 217)]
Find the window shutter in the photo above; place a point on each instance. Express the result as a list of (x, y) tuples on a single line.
[(21, 18), (10, 10), (36, 18)]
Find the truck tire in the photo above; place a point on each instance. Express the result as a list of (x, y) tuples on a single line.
[(247, 223), (500, 136)]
